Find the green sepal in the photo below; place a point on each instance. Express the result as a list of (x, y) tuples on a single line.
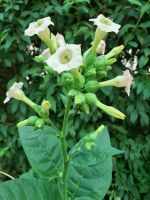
[(89, 58), (92, 86)]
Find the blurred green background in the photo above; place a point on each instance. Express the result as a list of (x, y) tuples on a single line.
[(131, 174)]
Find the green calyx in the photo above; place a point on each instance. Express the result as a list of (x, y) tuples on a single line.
[(28, 122), (89, 58), (92, 86), (91, 98)]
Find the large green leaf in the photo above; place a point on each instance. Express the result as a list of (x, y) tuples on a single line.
[(43, 150), (28, 189), (90, 171)]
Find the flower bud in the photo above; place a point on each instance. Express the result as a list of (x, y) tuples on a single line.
[(115, 51), (46, 106), (101, 47), (101, 63), (79, 79), (91, 98), (89, 58), (40, 123), (85, 108), (110, 110), (92, 86), (91, 73), (79, 99), (101, 74), (60, 40), (67, 79), (28, 122)]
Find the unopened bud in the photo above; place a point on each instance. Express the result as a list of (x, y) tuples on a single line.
[(28, 122), (89, 58), (67, 79), (92, 86), (101, 47), (79, 99), (110, 110), (79, 79), (85, 108), (91, 98), (40, 123), (60, 40), (115, 51), (91, 73), (46, 106)]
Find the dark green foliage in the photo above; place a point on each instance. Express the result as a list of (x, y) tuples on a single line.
[(43, 150), (28, 189), (90, 171), (131, 172)]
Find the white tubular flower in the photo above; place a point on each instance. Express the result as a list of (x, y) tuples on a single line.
[(60, 40), (38, 26), (105, 24), (15, 92), (127, 80), (120, 81), (101, 47), (66, 58)]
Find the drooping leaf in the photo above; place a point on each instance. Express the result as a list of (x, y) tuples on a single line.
[(43, 150), (28, 189), (90, 179)]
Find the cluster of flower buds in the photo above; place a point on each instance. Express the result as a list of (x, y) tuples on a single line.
[(81, 76)]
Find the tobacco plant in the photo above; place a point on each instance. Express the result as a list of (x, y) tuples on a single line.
[(84, 171)]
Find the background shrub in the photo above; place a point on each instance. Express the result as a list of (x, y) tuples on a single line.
[(131, 171)]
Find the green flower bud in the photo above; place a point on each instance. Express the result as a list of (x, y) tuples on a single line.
[(101, 74), (115, 51), (110, 110), (46, 106), (89, 58), (28, 122), (92, 86), (67, 79), (91, 73), (79, 99), (40, 123), (85, 108), (91, 98), (79, 79), (101, 63)]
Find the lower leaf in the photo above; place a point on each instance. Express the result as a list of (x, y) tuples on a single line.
[(28, 189), (89, 179)]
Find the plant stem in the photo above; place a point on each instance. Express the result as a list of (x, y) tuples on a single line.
[(64, 148)]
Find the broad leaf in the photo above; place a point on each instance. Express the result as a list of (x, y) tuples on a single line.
[(90, 179), (43, 150), (28, 189)]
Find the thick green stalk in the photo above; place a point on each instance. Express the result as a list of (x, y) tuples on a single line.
[(64, 147)]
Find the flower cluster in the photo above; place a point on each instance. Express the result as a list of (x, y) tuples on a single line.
[(81, 76)]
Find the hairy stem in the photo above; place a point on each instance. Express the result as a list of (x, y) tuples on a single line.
[(64, 147)]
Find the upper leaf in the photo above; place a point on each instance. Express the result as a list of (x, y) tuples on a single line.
[(90, 179), (43, 150)]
